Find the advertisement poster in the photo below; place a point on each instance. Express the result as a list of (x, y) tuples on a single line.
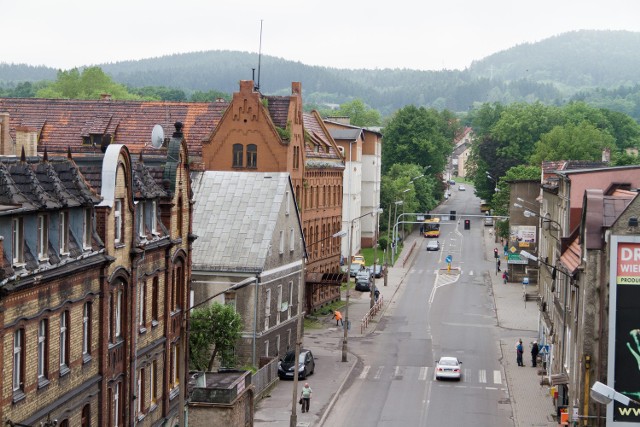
[(627, 330), (523, 234)]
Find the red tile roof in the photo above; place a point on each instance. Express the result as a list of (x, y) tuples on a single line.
[(62, 123)]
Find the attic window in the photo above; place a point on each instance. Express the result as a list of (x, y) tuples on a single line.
[(92, 139)]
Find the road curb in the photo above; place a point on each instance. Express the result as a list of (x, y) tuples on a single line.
[(338, 392)]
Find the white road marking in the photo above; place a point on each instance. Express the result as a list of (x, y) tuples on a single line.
[(423, 373), (482, 376), (378, 373), (396, 372), (364, 373), (497, 377)]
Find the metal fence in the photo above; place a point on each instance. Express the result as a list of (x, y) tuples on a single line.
[(264, 378)]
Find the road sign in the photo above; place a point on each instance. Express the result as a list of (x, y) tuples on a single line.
[(448, 259)]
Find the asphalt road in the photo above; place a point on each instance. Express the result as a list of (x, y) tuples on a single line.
[(437, 313)]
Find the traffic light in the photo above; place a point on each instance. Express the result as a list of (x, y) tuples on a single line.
[(467, 224)]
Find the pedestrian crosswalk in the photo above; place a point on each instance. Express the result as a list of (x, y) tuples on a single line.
[(483, 377)]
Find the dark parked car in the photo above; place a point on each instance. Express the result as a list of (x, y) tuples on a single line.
[(306, 364), (378, 271)]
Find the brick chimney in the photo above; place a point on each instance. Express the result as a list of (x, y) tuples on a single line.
[(105, 96), (6, 144), (27, 138), (606, 154)]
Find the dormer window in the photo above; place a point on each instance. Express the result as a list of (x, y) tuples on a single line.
[(153, 217), (17, 240), (43, 236), (64, 232), (87, 229), (117, 215), (141, 230)]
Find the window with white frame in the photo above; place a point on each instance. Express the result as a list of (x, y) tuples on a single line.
[(43, 349), (287, 201), (141, 230), (118, 220), (267, 309), (153, 380), (155, 299), (117, 315), (281, 242), (86, 329), (153, 220), (290, 299), (116, 405), (64, 232), (87, 228), (175, 355), (64, 341), (43, 236), (18, 360), (279, 306), (292, 240), (278, 344), (142, 305), (17, 240), (140, 396), (266, 348)]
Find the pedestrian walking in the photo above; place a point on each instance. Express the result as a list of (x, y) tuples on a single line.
[(306, 397), (376, 294), (505, 277), (338, 316), (534, 353), (497, 266), (519, 351)]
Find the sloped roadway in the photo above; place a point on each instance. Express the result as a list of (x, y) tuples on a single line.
[(437, 313)]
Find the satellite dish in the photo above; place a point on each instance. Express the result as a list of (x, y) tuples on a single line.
[(157, 136)]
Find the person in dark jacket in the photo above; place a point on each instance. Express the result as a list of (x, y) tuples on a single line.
[(534, 353), (519, 351)]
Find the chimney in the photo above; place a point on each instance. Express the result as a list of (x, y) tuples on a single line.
[(296, 88), (6, 145), (27, 139), (606, 155), (105, 96), (246, 86)]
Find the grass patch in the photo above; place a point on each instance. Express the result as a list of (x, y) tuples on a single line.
[(312, 323)]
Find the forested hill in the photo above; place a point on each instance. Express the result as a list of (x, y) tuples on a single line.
[(552, 70)]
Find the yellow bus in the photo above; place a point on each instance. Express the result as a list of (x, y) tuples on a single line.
[(431, 227)]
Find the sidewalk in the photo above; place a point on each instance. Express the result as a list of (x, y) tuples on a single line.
[(530, 402)]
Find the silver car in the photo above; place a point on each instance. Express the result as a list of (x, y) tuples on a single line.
[(449, 367)]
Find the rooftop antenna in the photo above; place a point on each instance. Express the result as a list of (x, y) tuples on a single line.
[(257, 85)]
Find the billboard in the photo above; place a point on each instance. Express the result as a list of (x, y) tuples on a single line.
[(523, 235), (624, 329)]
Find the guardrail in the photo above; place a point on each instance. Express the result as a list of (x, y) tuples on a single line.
[(364, 323)]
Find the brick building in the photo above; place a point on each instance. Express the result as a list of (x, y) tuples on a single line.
[(107, 298), (272, 134)]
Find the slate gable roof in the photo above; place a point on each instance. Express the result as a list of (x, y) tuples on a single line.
[(235, 217), (63, 123), (37, 184)]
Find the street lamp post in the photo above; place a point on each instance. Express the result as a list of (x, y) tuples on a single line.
[(346, 310), (495, 181)]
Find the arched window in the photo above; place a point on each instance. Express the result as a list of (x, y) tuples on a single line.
[(252, 156), (85, 421), (237, 155)]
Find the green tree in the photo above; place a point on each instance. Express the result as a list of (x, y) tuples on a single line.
[(581, 141), (418, 136), (359, 114), (214, 330), (210, 96), (91, 83)]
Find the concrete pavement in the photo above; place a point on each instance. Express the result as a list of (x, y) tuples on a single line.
[(530, 401)]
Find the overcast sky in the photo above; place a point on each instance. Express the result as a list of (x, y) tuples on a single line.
[(417, 34)]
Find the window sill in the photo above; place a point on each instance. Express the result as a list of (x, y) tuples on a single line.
[(142, 330), (64, 370), (154, 323), (42, 382), (43, 258), (18, 395), (86, 358), (119, 245), (174, 392)]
